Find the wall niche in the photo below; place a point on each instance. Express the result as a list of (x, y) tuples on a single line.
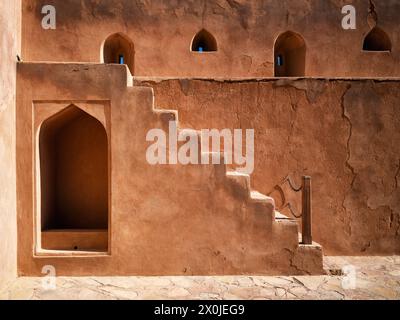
[(74, 186)]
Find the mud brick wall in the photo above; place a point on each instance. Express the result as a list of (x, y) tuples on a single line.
[(343, 133)]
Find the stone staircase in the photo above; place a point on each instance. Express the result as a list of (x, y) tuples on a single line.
[(298, 258)]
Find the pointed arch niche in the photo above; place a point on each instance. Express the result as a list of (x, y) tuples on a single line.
[(119, 49), (290, 55), (204, 41), (72, 182), (377, 40)]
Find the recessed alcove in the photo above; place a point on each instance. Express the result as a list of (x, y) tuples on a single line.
[(377, 40), (73, 153), (119, 49), (204, 41), (290, 55)]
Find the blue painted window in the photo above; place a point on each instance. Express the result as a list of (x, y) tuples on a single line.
[(279, 60), (204, 42), (121, 59)]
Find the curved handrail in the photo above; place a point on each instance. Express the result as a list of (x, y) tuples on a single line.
[(306, 204)]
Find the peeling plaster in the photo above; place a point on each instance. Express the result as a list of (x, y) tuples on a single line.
[(340, 131)]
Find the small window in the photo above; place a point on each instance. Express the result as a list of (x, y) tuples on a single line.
[(279, 60), (377, 40), (119, 49), (290, 55), (204, 41)]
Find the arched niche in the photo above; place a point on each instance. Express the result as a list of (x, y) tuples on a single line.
[(73, 159), (290, 55), (377, 40), (204, 41), (119, 49)]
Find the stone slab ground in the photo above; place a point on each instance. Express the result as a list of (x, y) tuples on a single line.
[(376, 278)]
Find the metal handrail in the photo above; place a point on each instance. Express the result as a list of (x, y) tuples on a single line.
[(306, 214)]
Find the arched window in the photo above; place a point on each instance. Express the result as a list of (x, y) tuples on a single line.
[(377, 40), (73, 151), (290, 55), (204, 41), (119, 49)]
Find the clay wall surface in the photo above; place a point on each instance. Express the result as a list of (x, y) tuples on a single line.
[(245, 32), (9, 44), (343, 133), (163, 219)]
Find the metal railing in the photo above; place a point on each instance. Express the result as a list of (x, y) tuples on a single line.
[(306, 214)]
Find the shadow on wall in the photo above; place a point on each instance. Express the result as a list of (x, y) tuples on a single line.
[(290, 55), (377, 40), (73, 152), (119, 49)]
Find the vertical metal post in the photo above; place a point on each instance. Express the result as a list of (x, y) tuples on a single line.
[(306, 211)]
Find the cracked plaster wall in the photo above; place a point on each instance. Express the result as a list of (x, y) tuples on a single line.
[(344, 133)]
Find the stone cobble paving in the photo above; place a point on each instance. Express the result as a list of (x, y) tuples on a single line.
[(376, 278)]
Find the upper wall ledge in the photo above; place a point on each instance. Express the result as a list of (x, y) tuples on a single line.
[(263, 79), (139, 79)]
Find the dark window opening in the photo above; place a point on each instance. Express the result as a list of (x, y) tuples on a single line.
[(290, 55), (204, 42), (119, 49), (377, 40)]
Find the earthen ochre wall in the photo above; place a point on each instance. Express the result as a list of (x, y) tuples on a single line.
[(9, 22), (245, 31), (163, 219), (343, 133)]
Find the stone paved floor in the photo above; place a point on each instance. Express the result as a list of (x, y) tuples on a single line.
[(376, 278)]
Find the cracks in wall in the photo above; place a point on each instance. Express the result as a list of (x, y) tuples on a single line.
[(397, 176), (371, 8), (388, 223), (354, 205), (394, 218), (243, 11), (149, 81), (366, 247), (293, 106), (292, 263), (312, 89), (347, 162), (258, 104), (238, 118), (398, 225), (372, 18), (391, 219), (347, 118)]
